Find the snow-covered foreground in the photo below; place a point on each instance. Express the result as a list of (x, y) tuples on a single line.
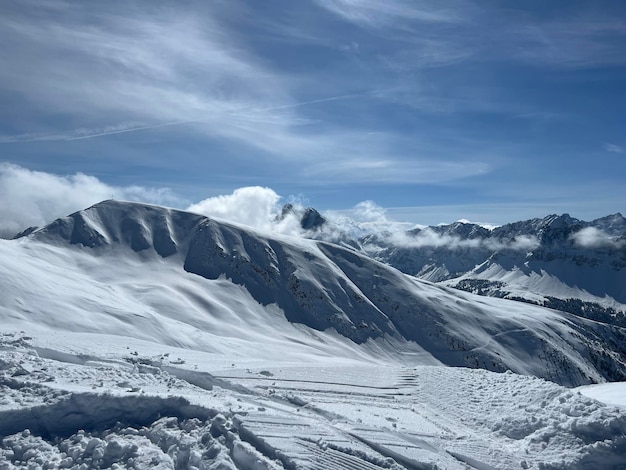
[(101, 401)]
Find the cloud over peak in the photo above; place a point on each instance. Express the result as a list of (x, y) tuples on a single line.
[(253, 205), (35, 198)]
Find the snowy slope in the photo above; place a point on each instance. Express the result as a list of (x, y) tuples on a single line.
[(135, 336)]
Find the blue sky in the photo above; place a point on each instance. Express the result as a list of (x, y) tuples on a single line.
[(436, 110)]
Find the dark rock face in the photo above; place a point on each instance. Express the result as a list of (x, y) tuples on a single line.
[(25, 233), (310, 219), (275, 273)]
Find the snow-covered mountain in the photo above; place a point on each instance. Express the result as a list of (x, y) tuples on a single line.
[(218, 346), (557, 261), (325, 286)]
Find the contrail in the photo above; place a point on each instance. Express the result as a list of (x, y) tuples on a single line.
[(131, 129), (321, 100)]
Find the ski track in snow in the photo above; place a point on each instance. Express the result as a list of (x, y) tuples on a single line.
[(144, 409)]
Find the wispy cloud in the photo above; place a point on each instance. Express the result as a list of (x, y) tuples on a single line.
[(371, 169), (83, 133), (109, 72), (572, 42), (375, 14), (332, 91), (162, 66), (613, 148), (428, 238), (444, 33)]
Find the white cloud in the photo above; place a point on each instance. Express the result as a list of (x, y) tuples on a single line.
[(524, 242), (428, 238), (614, 148), (35, 198), (592, 237), (369, 211), (254, 205), (365, 218)]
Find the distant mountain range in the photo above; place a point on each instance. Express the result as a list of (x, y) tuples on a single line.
[(327, 287), (557, 261)]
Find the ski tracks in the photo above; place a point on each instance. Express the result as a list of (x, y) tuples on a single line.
[(358, 417)]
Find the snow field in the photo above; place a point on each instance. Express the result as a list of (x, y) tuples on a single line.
[(142, 410)]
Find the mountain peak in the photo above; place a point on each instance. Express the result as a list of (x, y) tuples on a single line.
[(310, 218), (556, 221), (139, 226), (614, 224)]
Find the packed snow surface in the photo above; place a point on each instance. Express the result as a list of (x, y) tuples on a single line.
[(111, 402), (613, 393), (138, 337)]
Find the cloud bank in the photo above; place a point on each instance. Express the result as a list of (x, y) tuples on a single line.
[(35, 198), (428, 238)]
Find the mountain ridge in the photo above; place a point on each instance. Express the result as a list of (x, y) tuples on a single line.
[(554, 261), (329, 287)]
